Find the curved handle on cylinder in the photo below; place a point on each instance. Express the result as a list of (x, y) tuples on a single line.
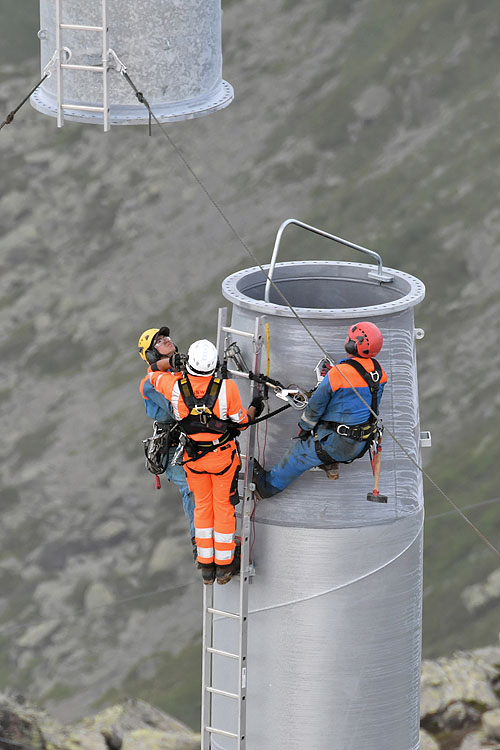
[(379, 274)]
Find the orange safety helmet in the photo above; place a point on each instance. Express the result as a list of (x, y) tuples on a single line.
[(364, 340)]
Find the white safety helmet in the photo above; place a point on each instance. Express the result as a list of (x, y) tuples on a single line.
[(202, 358)]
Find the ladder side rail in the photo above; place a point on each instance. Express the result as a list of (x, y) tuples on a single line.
[(221, 327), (246, 511), (105, 57), (208, 608), (59, 72), (246, 514), (206, 668)]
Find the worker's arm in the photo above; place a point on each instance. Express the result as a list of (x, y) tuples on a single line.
[(235, 411), (163, 382), (317, 405), (158, 407)]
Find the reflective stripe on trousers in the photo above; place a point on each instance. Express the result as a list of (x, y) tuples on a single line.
[(210, 479)]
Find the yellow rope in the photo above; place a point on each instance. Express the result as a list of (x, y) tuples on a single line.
[(267, 350)]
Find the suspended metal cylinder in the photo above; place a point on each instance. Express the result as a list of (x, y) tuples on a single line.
[(171, 49), (335, 606)]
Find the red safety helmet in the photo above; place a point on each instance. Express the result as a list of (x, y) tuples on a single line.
[(364, 340)]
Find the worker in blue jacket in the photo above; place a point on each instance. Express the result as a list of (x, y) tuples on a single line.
[(337, 426), (155, 344)]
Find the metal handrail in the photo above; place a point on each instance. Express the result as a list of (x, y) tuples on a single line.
[(379, 274)]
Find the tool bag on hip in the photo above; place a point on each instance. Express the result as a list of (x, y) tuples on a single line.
[(156, 448)]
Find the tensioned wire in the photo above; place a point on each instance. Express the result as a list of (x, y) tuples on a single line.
[(304, 325)]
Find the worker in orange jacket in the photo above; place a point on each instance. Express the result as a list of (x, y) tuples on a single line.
[(209, 411)]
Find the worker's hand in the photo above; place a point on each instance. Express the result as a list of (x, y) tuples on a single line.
[(177, 361), (258, 404), (304, 434), (325, 367)]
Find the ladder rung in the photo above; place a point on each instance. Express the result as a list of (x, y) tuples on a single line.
[(227, 329), (213, 730), (222, 653), (92, 68), (79, 27), (222, 692), (82, 108), (221, 612)]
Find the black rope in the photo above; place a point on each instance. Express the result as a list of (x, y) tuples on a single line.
[(12, 114), (139, 95), (266, 416)]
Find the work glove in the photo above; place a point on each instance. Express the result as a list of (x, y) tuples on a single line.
[(303, 434), (177, 361), (325, 367), (258, 403)]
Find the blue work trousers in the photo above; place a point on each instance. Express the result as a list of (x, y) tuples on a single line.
[(302, 456), (177, 474)]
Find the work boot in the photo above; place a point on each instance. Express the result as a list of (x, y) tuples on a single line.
[(331, 470), (207, 572), (262, 488), (237, 550), (195, 553), (224, 573)]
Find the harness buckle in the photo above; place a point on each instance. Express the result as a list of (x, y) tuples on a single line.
[(375, 376), (345, 427)]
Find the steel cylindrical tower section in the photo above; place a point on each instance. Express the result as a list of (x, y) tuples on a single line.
[(172, 51), (335, 605)]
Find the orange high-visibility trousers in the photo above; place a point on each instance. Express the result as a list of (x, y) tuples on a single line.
[(210, 479)]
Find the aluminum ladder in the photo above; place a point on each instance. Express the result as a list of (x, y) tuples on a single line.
[(240, 618), (63, 56)]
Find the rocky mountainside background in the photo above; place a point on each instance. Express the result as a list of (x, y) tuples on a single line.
[(460, 710), (374, 120)]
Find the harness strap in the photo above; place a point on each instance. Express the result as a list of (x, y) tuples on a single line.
[(207, 401), (359, 432), (215, 473), (372, 380), (321, 453), (201, 417), (213, 444)]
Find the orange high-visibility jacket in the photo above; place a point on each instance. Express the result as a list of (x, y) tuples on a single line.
[(227, 406)]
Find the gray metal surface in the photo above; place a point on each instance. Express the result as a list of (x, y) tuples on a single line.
[(335, 605), (172, 51)]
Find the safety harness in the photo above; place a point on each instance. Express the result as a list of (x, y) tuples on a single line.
[(201, 418), (364, 433)]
